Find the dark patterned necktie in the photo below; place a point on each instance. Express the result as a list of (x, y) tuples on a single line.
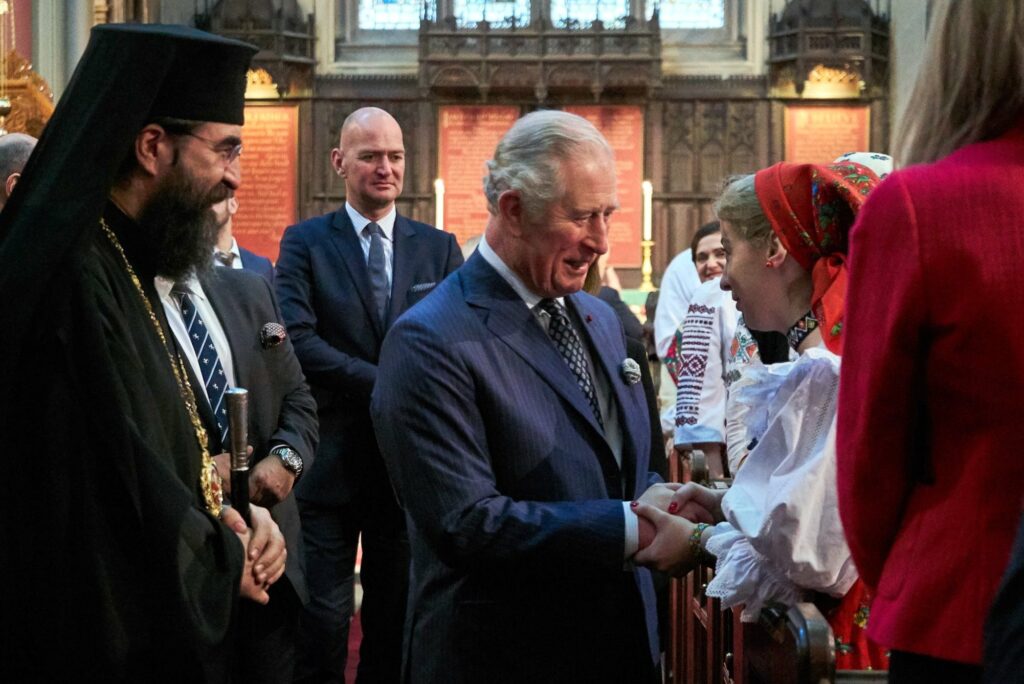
[(226, 258), (377, 269), (214, 379), (569, 345)]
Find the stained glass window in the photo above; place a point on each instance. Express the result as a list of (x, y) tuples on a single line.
[(469, 12), (582, 12), (690, 14), (390, 15)]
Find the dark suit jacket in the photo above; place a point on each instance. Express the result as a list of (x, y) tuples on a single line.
[(1004, 629), (324, 291), (630, 323), (512, 495), (281, 408), (637, 351), (260, 265)]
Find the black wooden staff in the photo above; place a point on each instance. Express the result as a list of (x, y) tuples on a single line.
[(238, 433)]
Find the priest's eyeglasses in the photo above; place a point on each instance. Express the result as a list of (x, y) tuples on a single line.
[(228, 153)]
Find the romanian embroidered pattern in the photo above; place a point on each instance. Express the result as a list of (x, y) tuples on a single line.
[(693, 342)]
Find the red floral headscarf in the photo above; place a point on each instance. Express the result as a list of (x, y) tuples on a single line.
[(811, 208)]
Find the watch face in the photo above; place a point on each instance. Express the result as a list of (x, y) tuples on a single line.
[(291, 460)]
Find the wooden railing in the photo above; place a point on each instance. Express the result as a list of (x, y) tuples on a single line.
[(788, 645)]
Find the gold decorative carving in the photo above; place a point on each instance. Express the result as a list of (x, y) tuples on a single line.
[(31, 97), (824, 74), (832, 83), (260, 85), (100, 12)]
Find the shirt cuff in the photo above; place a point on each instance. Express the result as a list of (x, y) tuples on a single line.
[(632, 531)]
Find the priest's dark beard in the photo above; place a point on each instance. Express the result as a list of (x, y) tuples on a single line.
[(180, 224)]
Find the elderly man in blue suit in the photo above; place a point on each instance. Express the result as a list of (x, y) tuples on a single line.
[(342, 280), (516, 432)]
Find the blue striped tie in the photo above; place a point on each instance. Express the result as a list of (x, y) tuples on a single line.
[(214, 379)]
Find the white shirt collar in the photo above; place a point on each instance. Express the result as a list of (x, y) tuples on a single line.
[(514, 281), (234, 250), (386, 223), (190, 284)]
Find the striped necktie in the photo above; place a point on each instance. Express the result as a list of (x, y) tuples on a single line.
[(214, 379)]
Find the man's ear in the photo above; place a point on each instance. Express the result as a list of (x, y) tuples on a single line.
[(150, 144), (12, 180), (338, 161), (510, 209), (232, 205)]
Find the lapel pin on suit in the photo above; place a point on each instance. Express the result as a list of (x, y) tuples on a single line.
[(630, 370), (272, 334)]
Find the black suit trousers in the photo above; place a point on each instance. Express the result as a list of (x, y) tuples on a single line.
[(331, 535)]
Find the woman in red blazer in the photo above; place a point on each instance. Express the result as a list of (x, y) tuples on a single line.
[(930, 409)]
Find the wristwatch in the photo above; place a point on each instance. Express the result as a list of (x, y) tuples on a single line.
[(290, 458)]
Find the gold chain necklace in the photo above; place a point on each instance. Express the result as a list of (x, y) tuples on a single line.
[(209, 480)]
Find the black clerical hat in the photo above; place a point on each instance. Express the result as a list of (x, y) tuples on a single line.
[(128, 76), (205, 74)]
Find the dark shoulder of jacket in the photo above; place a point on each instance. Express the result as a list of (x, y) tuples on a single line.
[(313, 223)]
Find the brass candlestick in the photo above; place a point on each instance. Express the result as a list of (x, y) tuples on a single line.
[(646, 285)]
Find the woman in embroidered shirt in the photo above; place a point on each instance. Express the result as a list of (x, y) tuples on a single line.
[(778, 535)]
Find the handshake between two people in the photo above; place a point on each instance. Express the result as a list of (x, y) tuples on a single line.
[(675, 521)]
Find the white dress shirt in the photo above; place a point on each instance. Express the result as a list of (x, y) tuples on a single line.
[(602, 387), (202, 304), (387, 226)]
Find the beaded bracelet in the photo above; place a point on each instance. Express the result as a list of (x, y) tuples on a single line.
[(699, 554)]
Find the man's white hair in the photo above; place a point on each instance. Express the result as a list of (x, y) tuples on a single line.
[(528, 158)]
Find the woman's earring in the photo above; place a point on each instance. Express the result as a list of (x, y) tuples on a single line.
[(768, 263)]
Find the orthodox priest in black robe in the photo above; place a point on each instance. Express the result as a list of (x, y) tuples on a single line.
[(116, 562)]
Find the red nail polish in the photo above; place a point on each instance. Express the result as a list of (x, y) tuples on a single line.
[(672, 507), (634, 504)]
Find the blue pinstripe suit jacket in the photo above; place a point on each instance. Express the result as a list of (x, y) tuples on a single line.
[(512, 494)]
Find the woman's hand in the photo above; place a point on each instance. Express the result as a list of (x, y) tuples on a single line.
[(660, 495), (697, 503)]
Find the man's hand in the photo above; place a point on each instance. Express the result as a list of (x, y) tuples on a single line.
[(660, 495), (670, 550), (249, 587), (697, 503), (266, 548), (265, 552), (223, 462), (270, 482)]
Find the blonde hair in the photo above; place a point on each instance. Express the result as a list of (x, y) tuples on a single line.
[(738, 204), (971, 85)]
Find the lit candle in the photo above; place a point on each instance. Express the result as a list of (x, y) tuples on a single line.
[(648, 191), (439, 203)]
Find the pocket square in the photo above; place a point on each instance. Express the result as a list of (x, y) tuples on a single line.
[(420, 287), (272, 334)]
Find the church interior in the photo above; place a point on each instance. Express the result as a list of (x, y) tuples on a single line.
[(688, 94)]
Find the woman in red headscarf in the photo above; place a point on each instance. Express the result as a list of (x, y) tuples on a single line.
[(776, 532)]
